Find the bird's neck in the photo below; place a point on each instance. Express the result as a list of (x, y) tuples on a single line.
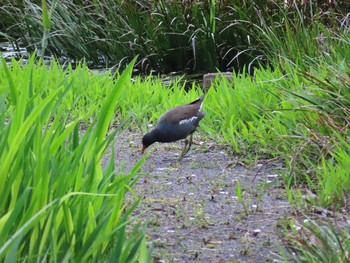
[(155, 134)]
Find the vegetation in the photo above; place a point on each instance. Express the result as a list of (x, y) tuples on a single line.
[(57, 202), (291, 101), (256, 117), (172, 36), (316, 240)]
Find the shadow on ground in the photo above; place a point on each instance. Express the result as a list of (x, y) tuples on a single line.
[(191, 207)]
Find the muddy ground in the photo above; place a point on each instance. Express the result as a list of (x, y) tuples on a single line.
[(191, 206)]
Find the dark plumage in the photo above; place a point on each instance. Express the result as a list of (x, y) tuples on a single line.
[(176, 124)]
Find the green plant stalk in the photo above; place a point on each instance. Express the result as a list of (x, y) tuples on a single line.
[(46, 19), (239, 195)]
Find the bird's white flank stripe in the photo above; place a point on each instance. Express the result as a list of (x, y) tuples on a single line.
[(185, 121)]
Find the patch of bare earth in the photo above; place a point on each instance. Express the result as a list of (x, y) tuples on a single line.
[(191, 207)]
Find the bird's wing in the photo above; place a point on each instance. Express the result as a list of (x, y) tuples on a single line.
[(183, 112), (179, 113)]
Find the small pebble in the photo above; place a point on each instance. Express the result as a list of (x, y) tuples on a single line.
[(256, 232)]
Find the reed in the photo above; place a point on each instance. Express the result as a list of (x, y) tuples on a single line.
[(173, 36)]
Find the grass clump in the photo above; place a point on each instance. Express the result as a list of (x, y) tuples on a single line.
[(172, 36), (316, 240), (58, 202), (301, 118)]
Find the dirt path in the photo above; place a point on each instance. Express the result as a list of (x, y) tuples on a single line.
[(191, 207)]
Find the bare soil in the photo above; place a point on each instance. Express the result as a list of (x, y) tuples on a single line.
[(191, 207)]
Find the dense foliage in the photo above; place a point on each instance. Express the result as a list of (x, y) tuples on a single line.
[(290, 101), (57, 201), (168, 36)]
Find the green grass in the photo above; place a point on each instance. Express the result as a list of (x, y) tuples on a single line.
[(333, 178), (58, 202), (55, 122), (317, 240), (270, 115)]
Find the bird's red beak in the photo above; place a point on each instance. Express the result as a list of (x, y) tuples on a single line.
[(143, 148)]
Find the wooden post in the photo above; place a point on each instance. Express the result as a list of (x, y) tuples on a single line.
[(210, 77)]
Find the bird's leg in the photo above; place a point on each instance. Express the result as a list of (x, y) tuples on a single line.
[(186, 147), (189, 144), (184, 151)]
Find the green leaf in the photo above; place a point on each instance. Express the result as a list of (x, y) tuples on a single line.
[(12, 86), (45, 16)]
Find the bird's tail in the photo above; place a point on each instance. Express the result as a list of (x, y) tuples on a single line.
[(199, 100)]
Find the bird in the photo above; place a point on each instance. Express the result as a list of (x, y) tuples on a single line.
[(175, 124)]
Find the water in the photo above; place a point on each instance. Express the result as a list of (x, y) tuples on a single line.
[(9, 51)]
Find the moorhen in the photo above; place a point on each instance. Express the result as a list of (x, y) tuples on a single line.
[(176, 124)]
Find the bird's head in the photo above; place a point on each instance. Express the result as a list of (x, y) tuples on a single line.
[(147, 140)]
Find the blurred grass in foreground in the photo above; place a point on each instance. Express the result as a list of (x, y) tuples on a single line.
[(58, 203)]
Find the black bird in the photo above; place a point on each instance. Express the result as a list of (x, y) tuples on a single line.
[(176, 124)]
